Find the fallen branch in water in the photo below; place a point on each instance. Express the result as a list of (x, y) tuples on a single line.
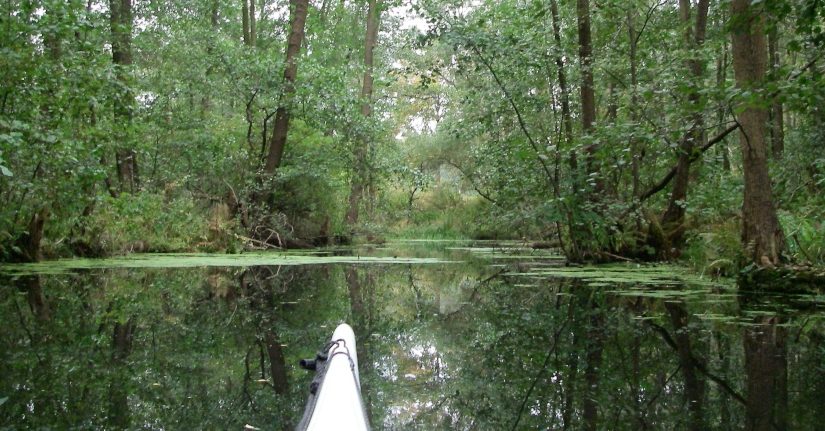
[(263, 244)]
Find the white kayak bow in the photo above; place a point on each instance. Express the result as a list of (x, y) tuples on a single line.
[(335, 393)]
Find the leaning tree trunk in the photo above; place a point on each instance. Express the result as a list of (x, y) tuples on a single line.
[(762, 235), (674, 218), (360, 176), (296, 38), (126, 157)]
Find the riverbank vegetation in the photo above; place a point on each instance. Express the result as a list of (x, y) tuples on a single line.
[(637, 130)]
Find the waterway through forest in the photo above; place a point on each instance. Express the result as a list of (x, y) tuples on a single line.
[(451, 335)]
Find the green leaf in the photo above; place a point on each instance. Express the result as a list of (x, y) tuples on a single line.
[(5, 171)]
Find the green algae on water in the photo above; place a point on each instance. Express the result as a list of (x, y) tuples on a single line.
[(604, 275), (194, 260)]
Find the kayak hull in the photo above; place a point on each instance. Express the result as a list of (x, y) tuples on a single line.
[(335, 394)]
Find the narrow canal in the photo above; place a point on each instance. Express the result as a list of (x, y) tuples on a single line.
[(452, 335)]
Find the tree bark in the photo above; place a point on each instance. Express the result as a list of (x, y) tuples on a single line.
[(281, 128), (777, 120), (29, 242), (253, 24), (359, 180), (245, 21), (588, 95), (762, 235), (587, 90), (126, 157)]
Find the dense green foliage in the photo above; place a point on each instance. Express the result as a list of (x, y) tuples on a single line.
[(505, 126), (469, 135)]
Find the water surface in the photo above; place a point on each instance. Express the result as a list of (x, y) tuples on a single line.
[(452, 335)]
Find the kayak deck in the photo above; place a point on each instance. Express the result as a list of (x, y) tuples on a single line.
[(335, 393)]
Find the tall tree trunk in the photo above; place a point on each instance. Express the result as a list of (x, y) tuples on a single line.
[(635, 381), (587, 90), (206, 100), (762, 235), (28, 243), (777, 120), (245, 21), (588, 95), (253, 24), (635, 152), (567, 118), (38, 304), (565, 92), (674, 217), (126, 157), (277, 144), (359, 296), (580, 234), (721, 110), (594, 346), (122, 337), (766, 371), (360, 177), (694, 386), (277, 361), (569, 380)]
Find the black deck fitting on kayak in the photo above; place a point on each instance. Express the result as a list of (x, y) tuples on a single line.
[(312, 364), (309, 364)]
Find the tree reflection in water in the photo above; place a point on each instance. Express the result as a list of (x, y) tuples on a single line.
[(442, 346)]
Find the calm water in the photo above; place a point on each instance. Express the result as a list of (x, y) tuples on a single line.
[(452, 336)]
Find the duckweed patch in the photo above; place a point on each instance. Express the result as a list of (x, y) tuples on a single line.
[(194, 260), (603, 275)]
